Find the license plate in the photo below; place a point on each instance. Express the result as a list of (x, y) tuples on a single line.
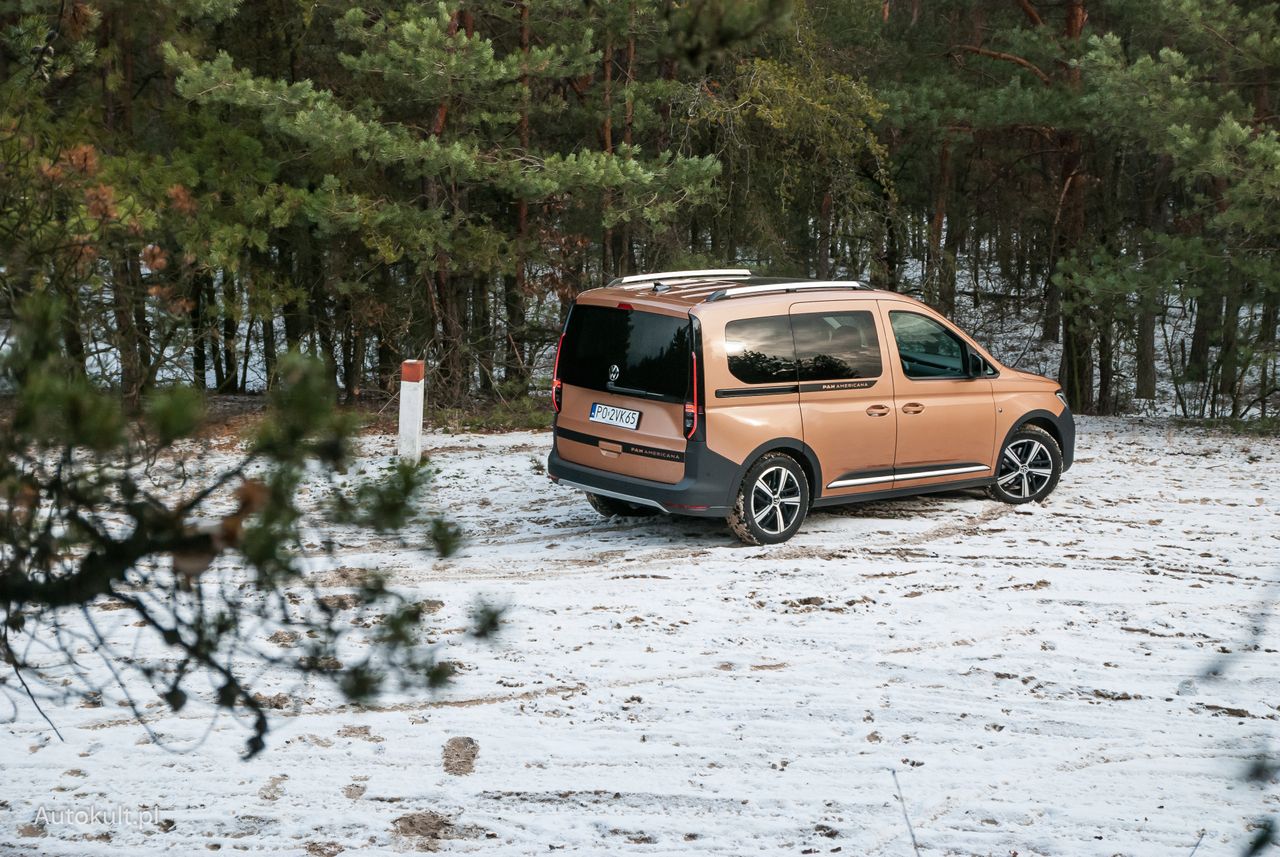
[(610, 415)]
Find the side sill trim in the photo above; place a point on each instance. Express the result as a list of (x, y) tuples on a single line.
[(905, 477), (865, 480), (909, 491)]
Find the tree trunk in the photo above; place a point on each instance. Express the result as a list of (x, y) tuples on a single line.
[(229, 332), (884, 270), (608, 267), (126, 340), (71, 338), (1229, 336), (199, 366), (1076, 373), (248, 353), (946, 284), (1145, 376), (1267, 343), (824, 237), (386, 366), (622, 255), (324, 321), (269, 348), (481, 331), (935, 263), (215, 358), (514, 369), (142, 324), (1106, 369), (453, 382), (292, 312), (1208, 323)]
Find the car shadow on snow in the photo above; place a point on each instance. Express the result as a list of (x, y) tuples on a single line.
[(695, 533)]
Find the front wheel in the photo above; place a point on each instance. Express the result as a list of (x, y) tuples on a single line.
[(772, 501), (1028, 467)]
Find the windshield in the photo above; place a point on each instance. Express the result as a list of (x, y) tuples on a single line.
[(650, 351)]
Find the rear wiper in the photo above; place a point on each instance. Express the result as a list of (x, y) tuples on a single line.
[(628, 391)]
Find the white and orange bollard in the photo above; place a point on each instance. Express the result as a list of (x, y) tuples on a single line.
[(413, 375)]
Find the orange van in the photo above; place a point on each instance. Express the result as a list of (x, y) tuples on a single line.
[(722, 394)]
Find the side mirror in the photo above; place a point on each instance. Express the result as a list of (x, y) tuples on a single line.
[(973, 363)]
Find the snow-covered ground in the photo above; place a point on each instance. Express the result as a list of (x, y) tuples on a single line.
[(1034, 675)]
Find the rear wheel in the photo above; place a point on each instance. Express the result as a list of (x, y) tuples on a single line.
[(612, 508), (772, 501), (1028, 468)]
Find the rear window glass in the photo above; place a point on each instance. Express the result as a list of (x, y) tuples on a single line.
[(760, 350), (650, 351), (836, 346)]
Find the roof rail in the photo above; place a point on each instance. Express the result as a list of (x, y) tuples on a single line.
[(741, 291), (712, 273)]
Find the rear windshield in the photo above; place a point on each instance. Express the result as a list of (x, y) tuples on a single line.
[(650, 351)]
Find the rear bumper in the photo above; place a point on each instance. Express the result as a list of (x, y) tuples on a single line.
[(703, 492)]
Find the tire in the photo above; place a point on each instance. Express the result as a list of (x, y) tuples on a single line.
[(611, 508), (1028, 467), (772, 501)]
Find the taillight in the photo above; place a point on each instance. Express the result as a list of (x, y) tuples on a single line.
[(557, 391), (691, 406)]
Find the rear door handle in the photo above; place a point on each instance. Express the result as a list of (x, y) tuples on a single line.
[(878, 411), (912, 408)]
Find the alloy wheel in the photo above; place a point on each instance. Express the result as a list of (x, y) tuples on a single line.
[(775, 500), (1025, 468)]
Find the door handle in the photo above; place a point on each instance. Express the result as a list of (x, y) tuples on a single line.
[(912, 408), (878, 411)]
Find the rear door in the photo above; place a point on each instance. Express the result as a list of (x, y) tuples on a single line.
[(625, 375), (946, 420), (846, 395)]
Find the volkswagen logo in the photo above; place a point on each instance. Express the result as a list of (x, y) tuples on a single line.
[(614, 372)]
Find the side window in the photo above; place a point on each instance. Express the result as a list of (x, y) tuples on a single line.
[(836, 346), (761, 350), (926, 348)]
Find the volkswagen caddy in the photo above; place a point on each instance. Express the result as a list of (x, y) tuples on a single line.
[(755, 399)]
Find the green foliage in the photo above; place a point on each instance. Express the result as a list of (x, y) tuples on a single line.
[(203, 551), (518, 413), (54, 407), (390, 178), (794, 130)]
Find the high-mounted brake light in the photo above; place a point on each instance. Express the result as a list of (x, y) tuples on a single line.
[(691, 406), (627, 307), (556, 386)]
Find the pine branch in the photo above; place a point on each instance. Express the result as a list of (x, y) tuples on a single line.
[(1032, 14), (1005, 57), (12, 657)]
